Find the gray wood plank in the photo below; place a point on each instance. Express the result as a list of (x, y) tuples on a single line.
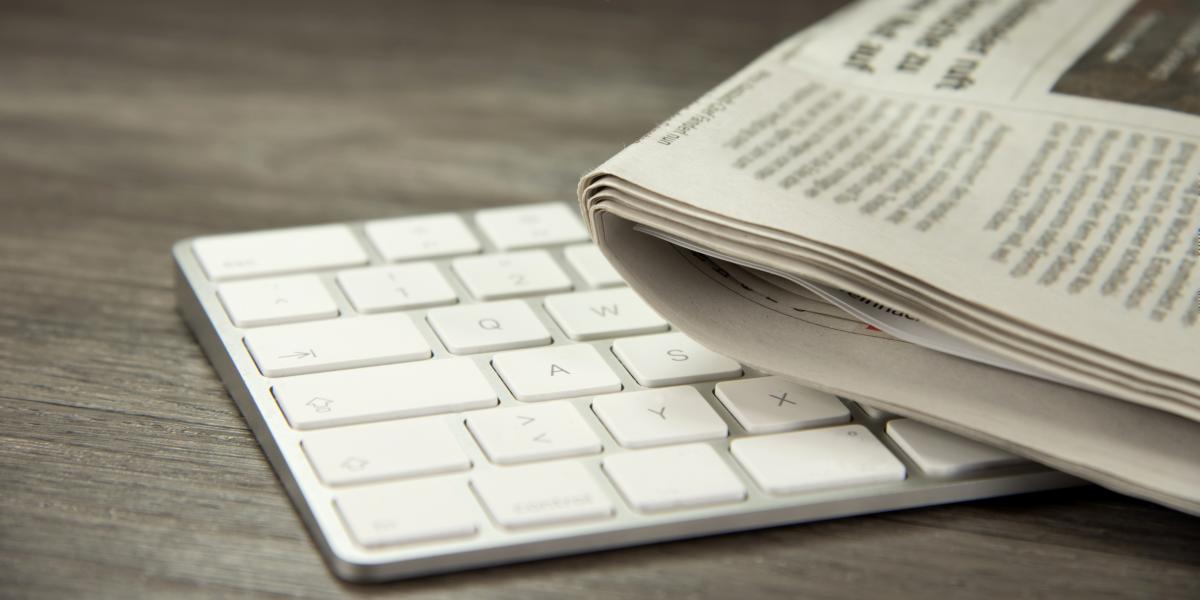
[(126, 470)]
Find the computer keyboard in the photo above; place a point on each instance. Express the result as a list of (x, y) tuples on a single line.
[(456, 390)]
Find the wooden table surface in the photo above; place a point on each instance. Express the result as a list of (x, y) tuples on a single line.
[(126, 470)]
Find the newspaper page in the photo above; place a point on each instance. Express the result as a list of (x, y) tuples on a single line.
[(1021, 172), (1073, 215)]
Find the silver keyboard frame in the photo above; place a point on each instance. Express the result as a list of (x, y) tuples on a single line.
[(493, 545)]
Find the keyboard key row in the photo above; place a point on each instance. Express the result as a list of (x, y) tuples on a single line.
[(564, 371), (650, 481), (256, 254), (464, 329), (583, 315)]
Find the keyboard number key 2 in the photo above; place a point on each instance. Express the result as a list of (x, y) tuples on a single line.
[(498, 276)]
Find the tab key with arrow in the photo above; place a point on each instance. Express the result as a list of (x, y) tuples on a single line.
[(344, 343)]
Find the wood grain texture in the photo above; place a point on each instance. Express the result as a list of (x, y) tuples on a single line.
[(126, 470)]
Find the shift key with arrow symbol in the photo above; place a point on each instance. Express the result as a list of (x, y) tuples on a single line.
[(344, 343)]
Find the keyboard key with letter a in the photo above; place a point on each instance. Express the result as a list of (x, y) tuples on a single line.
[(555, 372)]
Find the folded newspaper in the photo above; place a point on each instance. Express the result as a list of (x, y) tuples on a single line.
[(984, 214)]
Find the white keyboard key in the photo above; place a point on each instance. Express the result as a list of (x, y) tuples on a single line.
[(336, 344), (603, 313), (379, 289), (555, 372), (658, 417), (379, 451), (875, 414), (425, 236), (801, 461), (774, 404), (942, 454), (385, 392), (557, 492), (673, 477), (488, 327), (410, 511), (525, 433), (496, 276), (592, 266), (672, 359), (276, 300), (515, 227), (241, 255)]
